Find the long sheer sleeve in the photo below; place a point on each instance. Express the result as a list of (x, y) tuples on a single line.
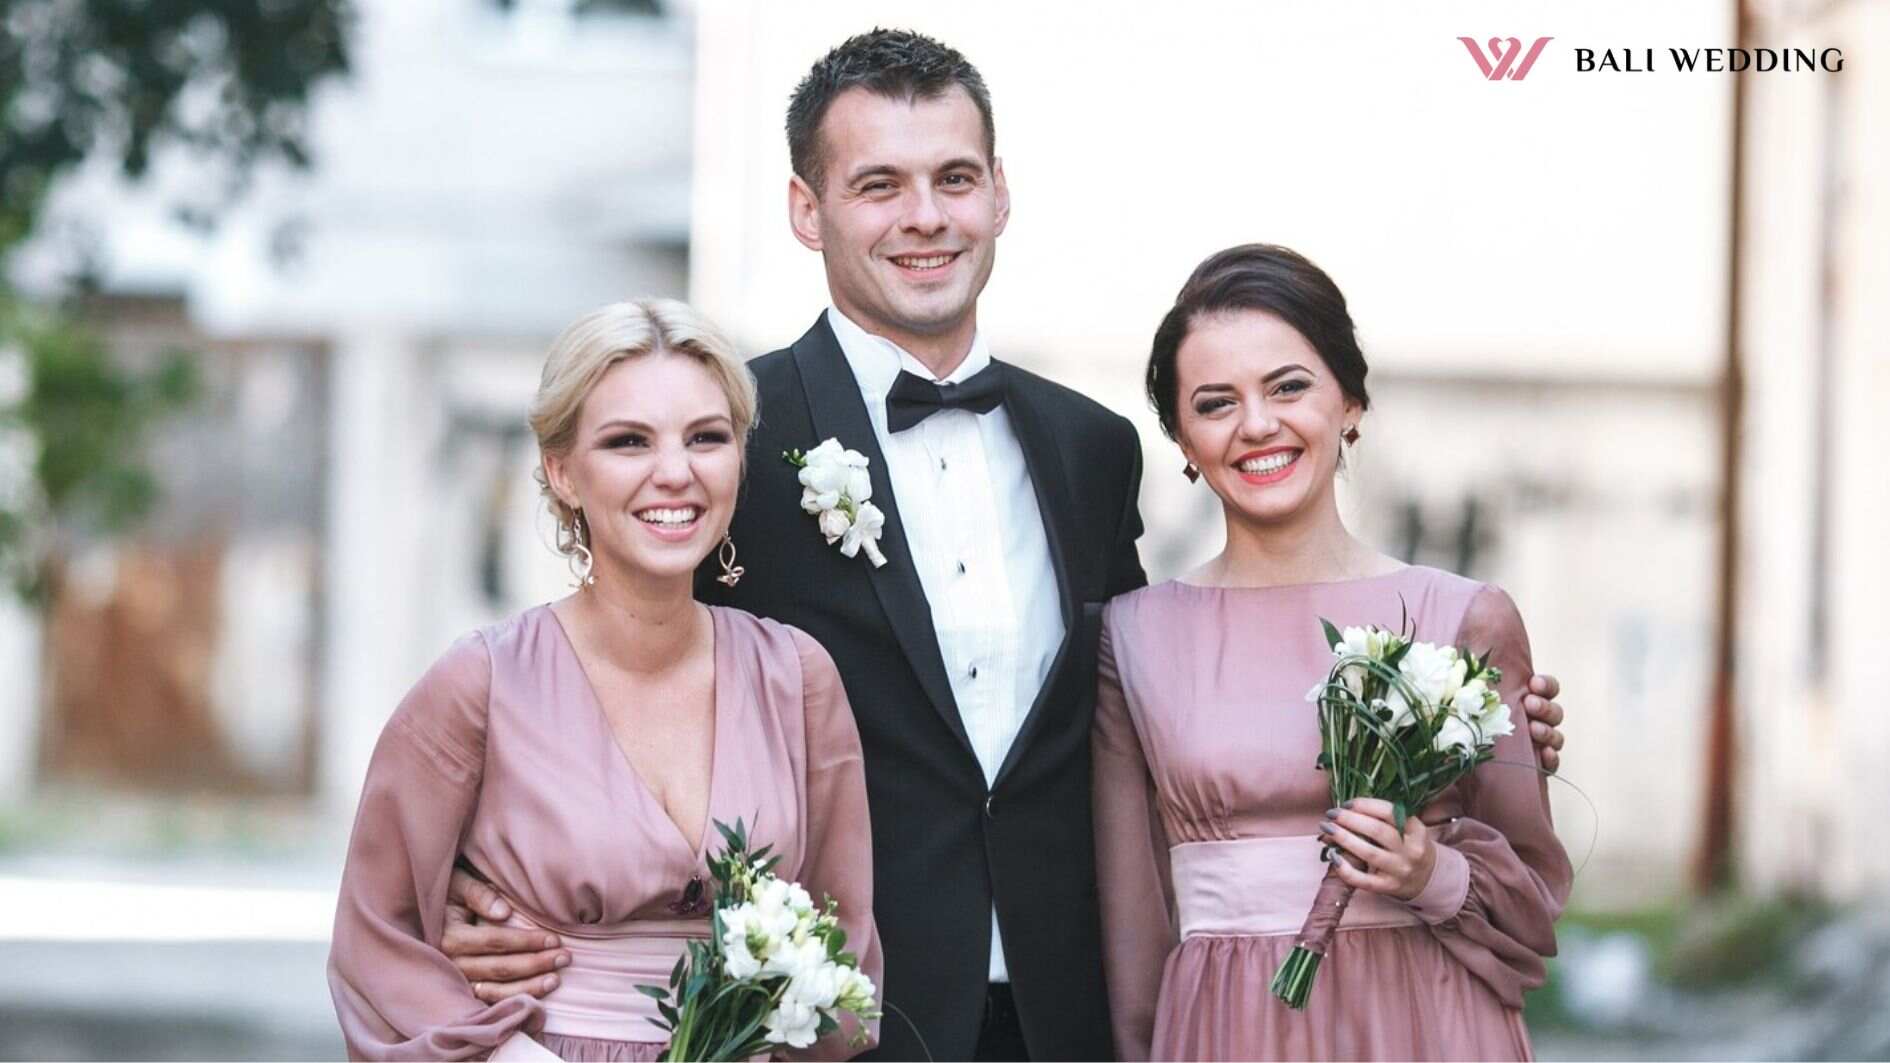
[(396, 994), (1139, 928), (1502, 876), (839, 854)]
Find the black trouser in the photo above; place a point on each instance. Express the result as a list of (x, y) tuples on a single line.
[(1000, 1037)]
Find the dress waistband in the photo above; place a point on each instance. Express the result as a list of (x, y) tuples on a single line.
[(597, 994), (1262, 886)]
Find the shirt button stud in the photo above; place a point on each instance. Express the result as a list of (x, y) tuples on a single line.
[(974, 671), (961, 568)]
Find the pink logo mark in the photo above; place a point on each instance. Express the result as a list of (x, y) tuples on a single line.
[(1501, 59)]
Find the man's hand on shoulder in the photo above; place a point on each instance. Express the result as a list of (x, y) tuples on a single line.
[(499, 961), (1545, 719)]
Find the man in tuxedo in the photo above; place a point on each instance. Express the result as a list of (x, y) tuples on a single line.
[(969, 656)]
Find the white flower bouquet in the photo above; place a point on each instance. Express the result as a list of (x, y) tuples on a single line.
[(1399, 720), (773, 974)]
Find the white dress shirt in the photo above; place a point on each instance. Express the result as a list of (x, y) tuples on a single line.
[(977, 537)]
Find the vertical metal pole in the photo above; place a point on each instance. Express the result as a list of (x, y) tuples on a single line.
[(1713, 863)]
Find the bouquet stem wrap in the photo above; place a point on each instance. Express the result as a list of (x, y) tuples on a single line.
[(1328, 908), (1292, 983)]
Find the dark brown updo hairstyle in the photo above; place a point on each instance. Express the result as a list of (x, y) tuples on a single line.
[(1268, 278)]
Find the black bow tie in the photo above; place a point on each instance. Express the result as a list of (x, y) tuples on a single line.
[(913, 399)]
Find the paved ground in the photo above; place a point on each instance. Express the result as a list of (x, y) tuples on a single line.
[(165, 959), (166, 1000), (72, 1000), (208, 960)]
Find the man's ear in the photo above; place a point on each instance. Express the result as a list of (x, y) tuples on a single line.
[(804, 213), (1002, 189)]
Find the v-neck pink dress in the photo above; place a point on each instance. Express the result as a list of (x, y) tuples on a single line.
[(502, 754), (1207, 811)]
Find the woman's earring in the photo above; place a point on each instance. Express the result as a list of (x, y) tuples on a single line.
[(1193, 474), (731, 572), (1351, 435), (581, 561)]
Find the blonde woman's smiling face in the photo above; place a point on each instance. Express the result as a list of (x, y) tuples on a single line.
[(655, 466)]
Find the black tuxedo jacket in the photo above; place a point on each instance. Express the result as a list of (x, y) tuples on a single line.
[(945, 848)]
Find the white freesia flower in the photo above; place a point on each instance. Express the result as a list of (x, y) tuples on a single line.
[(859, 481), (795, 958), (1497, 724), (1459, 668), (829, 452), (816, 984), (779, 907), (799, 899), (857, 991), (1403, 713), (1353, 678), (815, 502), (794, 1025), (1391, 710), (833, 469), (864, 534), (826, 479), (1471, 700), (1358, 642), (834, 523), (1429, 670), (1456, 733), (741, 961)]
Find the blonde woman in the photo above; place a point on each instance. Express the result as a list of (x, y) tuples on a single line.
[(577, 754)]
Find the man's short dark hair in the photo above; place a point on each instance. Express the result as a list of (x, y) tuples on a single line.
[(896, 64)]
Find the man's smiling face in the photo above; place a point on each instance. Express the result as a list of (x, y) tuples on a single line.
[(910, 212)]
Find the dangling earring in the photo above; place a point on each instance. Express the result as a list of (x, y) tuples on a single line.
[(1193, 474), (581, 561), (1350, 435), (732, 573)]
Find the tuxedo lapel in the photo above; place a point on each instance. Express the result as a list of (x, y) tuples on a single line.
[(1043, 457), (838, 412)]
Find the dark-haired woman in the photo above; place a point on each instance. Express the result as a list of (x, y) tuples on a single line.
[(1209, 813)]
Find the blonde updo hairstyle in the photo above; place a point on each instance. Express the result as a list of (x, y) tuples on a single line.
[(618, 332)]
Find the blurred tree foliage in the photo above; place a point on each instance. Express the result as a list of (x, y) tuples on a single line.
[(228, 79), (79, 424), (223, 80)]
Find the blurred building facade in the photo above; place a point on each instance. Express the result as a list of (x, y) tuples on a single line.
[(1815, 521)]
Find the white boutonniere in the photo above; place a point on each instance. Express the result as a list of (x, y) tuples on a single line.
[(834, 490)]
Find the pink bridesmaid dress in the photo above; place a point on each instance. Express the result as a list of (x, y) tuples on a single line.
[(503, 755), (1207, 815)]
